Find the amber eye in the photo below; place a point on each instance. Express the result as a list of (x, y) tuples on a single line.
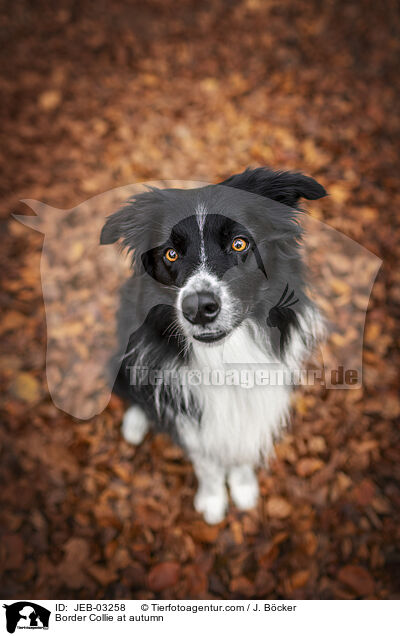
[(239, 244), (171, 255)]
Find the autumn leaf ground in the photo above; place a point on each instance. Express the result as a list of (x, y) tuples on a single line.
[(95, 97)]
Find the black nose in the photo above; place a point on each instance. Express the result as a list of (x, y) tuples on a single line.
[(200, 307)]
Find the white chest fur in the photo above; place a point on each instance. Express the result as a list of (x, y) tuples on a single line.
[(239, 419)]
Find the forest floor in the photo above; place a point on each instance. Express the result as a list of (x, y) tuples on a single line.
[(96, 96)]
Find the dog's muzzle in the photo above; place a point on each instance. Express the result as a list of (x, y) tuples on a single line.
[(201, 308), (205, 308)]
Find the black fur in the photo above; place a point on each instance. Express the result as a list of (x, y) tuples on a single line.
[(285, 187), (261, 205)]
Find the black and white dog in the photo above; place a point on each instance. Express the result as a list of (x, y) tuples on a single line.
[(218, 286)]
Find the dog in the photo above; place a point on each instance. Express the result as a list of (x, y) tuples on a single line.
[(218, 286)]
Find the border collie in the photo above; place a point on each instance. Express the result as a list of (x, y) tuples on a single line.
[(218, 287)]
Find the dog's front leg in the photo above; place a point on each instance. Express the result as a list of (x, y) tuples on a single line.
[(243, 484), (211, 498), (135, 425)]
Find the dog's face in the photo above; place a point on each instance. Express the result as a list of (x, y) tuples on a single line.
[(211, 261), (221, 251)]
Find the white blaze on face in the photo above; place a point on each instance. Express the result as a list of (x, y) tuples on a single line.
[(201, 213), (204, 281)]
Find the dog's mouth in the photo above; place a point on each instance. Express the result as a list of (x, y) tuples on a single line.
[(210, 336)]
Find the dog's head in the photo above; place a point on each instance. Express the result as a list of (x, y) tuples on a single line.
[(225, 252)]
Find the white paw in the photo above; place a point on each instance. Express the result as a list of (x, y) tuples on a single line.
[(211, 506), (244, 489), (245, 496), (134, 425)]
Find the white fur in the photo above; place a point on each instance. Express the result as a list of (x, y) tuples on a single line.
[(238, 424), (211, 498), (302, 341), (201, 213), (237, 427), (134, 425), (204, 280), (243, 485)]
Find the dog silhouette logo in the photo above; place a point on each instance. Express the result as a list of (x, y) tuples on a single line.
[(26, 615), (87, 257)]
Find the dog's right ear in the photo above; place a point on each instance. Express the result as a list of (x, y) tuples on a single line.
[(113, 228), (131, 220)]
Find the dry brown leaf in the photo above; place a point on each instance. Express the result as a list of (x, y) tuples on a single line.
[(308, 466), (278, 507), (103, 575), (299, 579), (163, 575), (48, 100), (26, 388), (358, 579)]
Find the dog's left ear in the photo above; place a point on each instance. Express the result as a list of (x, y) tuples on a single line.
[(285, 187)]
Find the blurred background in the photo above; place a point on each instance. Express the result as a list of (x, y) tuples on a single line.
[(97, 95)]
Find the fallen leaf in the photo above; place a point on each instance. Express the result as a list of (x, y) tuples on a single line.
[(103, 575), (308, 466), (72, 569), (12, 320), (358, 579), (317, 444), (26, 388), (48, 100), (299, 579), (163, 575), (364, 492), (15, 551), (242, 587), (278, 508), (203, 532)]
